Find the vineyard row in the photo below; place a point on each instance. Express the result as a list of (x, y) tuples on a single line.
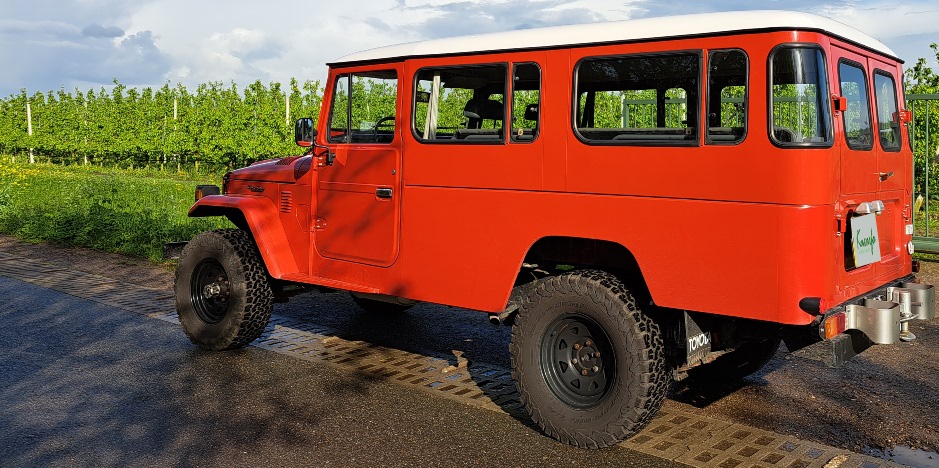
[(214, 124)]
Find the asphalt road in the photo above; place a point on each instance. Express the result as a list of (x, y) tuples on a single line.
[(86, 384)]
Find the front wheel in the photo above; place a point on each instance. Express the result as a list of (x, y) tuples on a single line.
[(223, 294), (588, 363)]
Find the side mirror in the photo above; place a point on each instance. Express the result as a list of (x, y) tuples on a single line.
[(304, 132)]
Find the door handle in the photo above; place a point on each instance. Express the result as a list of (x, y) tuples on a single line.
[(383, 193), (885, 175)]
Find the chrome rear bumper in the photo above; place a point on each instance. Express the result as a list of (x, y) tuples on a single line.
[(885, 321)]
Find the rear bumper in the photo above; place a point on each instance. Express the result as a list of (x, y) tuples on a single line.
[(879, 317)]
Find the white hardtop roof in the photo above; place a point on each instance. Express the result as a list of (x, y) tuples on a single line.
[(620, 31)]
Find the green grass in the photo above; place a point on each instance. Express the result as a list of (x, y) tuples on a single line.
[(130, 211)]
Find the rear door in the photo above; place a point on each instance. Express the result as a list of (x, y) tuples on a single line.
[(893, 165), (869, 174), (860, 183)]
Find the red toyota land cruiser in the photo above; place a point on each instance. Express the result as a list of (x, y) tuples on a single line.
[(640, 200)]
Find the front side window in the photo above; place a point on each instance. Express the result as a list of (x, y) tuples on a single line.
[(339, 113), (371, 116), (888, 120), (727, 96), (799, 101), (645, 100), (460, 105), (857, 117)]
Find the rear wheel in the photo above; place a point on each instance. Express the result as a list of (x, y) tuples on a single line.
[(588, 363), (223, 294)]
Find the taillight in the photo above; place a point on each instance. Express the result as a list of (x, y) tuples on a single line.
[(834, 325)]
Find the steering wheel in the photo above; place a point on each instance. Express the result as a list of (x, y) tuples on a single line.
[(379, 123), (784, 134)]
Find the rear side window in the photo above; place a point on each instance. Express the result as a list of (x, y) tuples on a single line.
[(799, 99), (638, 100), (727, 97), (526, 102), (857, 117), (460, 105), (888, 120)]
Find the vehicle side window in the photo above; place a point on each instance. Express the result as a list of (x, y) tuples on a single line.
[(339, 112), (526, 102), (727, 97), (801, 115), (371, 116), (460, 105), (888, 120), (857, 117), (638, 100)]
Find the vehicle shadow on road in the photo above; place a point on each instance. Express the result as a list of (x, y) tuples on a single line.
[(461, 342), (702, 393), (98, 386)]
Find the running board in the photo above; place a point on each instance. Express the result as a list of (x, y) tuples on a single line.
[(330, 283)]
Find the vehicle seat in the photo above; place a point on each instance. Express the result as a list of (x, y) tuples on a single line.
[(477, 110)]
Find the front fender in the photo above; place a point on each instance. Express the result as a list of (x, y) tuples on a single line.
[(261, 216)]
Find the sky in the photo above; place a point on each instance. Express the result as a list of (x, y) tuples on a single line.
[(48, 45)]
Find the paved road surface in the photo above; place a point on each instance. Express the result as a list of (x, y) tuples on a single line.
[(83, 383)]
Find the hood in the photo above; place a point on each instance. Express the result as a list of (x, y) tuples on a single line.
[(285, 170)]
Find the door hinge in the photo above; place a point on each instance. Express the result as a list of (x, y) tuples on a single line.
[(320, 223)]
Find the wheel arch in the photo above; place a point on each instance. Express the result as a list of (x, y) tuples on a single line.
[(581, 252), (259, 217)]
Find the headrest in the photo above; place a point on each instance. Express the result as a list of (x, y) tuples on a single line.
[(488, 109), (531, 112)]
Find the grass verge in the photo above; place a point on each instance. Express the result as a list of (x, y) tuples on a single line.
[(125, 211)]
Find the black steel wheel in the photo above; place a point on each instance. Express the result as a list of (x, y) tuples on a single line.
[(578, 361), (589, 365), (210, 291), (223, 292)]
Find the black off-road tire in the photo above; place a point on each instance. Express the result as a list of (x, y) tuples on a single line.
[(380, 307), (208, 321), (584, 308), (746, 359)]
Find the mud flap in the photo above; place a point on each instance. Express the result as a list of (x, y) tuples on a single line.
[(697, 341)]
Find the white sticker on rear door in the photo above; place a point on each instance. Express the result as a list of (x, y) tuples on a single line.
[(864, 240), (909, 229)]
